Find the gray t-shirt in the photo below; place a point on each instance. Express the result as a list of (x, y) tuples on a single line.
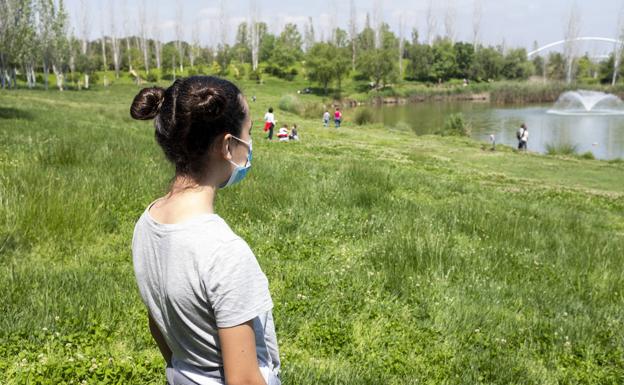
[(197, 276)]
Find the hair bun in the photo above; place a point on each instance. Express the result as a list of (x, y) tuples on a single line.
[(210, 102), (147, 103)]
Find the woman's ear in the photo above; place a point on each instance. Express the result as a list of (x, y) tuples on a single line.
[(224, 147)]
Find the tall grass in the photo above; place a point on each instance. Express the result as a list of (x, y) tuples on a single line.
[(397, 260)]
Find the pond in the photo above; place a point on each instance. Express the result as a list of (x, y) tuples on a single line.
[(603, 135)]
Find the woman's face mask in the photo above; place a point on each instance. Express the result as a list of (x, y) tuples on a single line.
[(239, 172)]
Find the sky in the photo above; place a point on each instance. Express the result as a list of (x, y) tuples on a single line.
[(516, 23)]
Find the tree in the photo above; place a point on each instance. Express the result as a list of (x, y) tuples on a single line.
[(319, 64), (144, 42), (127, 33), (353, 32), (477, 16), (444, 63), (155, 32), (60, 43), (115, 48), (308, 35), (619, 47), (366, 38), (572, 32), (179, 33), (254, 35), (421, 61), (488, 64), (242, 47), (464, 57), (450, 18), (516, 65), (378, 65), (431, 23), (556, 68), (341, 39), (290, 39)]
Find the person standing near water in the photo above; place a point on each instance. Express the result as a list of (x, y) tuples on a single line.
[(269, 123), (208, 301), (523, 137)]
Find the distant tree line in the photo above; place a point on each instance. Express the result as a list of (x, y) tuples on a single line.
[(35, 40)]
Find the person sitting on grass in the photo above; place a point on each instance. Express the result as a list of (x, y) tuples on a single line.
[(294, 135), (208, 302), (282, 134)]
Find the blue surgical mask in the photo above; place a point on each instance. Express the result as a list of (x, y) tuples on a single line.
[(239, 172)]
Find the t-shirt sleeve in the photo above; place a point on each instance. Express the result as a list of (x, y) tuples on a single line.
[(236, 287)]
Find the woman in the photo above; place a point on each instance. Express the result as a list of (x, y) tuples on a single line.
[(208, 302), (337, 117)]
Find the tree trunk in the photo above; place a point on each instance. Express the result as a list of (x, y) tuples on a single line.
[(617, 54), (14, 77), (87, 81), (59, 77), (46, 72)]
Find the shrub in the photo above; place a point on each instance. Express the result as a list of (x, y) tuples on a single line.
[(152, 77), (561, 149), (363, 116), (255, 75), (588, 155), (402, 126), (291, 103), (313, 110), (455, 125)]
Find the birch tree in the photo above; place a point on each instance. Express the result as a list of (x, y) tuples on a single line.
[(401, 44), (477, 16), (127, 33), (156, 37), (308, 35), (619, 46), (30, 48), (179, 33), (59, 30), (116, 51), (143, 41), (432, 23), (378, 22), (45, 13), (195, 43), (571, 34), (254, 36), (450, 18), (353, 32), (84, 26)]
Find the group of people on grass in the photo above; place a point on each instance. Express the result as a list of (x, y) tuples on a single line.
[(283, 134), (337, 118), (522, 135)]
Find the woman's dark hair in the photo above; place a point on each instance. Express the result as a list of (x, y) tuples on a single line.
[(189, 116), (271, 109)]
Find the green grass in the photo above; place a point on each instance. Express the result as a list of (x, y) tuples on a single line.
[(392, 258)]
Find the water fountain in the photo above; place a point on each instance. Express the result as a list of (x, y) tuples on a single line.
[(587, 103)]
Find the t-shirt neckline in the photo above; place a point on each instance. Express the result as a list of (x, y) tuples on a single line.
[(175, 226)]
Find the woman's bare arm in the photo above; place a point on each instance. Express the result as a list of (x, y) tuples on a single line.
[(238, 350), (160, 340)]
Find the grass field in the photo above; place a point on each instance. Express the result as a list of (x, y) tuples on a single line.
[(392, 258)]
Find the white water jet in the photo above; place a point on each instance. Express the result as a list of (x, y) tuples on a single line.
[(587, 103)]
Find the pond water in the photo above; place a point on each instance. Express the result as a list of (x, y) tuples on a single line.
[(603, 135)]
